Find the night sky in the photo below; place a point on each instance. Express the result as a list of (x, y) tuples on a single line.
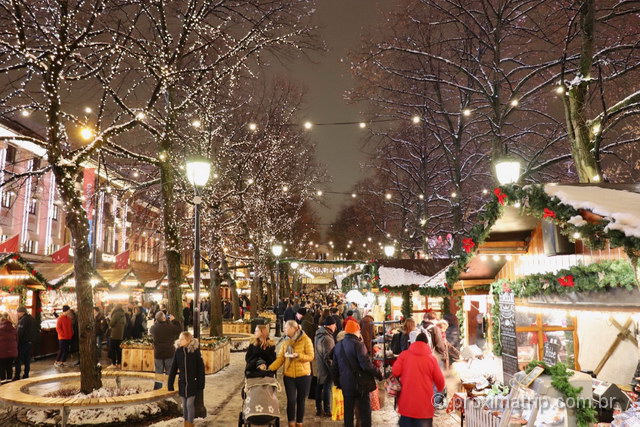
[(339, 148)]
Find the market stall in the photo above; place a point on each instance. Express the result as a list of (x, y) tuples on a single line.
[(568, 298)]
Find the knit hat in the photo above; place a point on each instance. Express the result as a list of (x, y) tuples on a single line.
[(351, 327), (65, 308), (302, 311), (328, 321)]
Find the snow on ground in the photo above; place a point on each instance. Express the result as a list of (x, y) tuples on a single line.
[(621, 207)]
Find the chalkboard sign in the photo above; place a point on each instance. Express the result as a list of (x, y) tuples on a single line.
[(508, 335), (551, 350)]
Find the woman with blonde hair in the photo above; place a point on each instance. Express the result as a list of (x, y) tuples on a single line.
[(260, 354), (188, 363), (296, 354)]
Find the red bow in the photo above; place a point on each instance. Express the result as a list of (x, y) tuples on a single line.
[(506, 287), (566, 281), (385, 290), (500, 195), (548, 213), (468, 244)]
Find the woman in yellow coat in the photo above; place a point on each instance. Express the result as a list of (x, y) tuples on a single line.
[(296, 353)]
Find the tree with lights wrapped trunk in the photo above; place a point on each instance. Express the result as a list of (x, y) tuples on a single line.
[(52, 55)]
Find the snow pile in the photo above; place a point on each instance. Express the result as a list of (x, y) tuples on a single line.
[(621, 208), (400, 277), (106, 416)]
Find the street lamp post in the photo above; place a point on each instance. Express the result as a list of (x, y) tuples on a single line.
[(198, 170), (277, 251), (508, 170)]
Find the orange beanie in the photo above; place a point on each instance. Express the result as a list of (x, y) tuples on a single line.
[(351, 327)]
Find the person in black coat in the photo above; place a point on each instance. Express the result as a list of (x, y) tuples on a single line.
[(188, 363), (27, 337), (349, 352), (289, 313), (260, 354), (138, 329)]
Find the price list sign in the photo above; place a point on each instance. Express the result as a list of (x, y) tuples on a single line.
[(508, 335)]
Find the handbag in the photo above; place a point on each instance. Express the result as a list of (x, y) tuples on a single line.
[(393, 386), (365, 383), (337, 404), (374, 398)]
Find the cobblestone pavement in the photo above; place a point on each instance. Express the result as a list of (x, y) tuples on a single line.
[(223, 400)]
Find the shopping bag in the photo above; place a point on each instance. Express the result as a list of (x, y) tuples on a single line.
[(313, 388), (337, 404), (375, 400)]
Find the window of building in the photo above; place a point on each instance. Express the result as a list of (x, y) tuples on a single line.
[(36, 164), (54, 212), (31, 246), (11, 154), (7, 199), (33, 206)]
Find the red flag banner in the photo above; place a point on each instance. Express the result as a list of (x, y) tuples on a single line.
[(61, 256), (12, 244), (122, 260), (88, 187)]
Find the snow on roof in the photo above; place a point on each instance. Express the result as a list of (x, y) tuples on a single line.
[(390, 276), (622, 208)]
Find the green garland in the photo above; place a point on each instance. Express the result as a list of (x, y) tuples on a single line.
[(206, 343), (585, 414), (29, 268), (460, 314), (534, 201), (387, 309), (597, 277), (407, 304)]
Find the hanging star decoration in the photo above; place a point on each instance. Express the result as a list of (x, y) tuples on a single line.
[(468, 244), (548, 213), (566, 281), (500, 195)]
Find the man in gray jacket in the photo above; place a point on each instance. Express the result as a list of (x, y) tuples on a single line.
[(164, 334), (324, 343)]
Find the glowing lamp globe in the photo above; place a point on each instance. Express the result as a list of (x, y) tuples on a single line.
[(276, 250), (389, 250), (198, 170), (508, 170)]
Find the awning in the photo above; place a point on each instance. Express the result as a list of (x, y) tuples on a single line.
[(113, 277), (54, 273)]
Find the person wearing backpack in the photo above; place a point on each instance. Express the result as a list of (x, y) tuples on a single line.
[(419, 374), (437, 343), (354, 374)]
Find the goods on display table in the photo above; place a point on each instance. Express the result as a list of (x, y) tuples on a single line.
[(383, 355)]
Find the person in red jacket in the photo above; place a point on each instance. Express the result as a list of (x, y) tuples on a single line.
[(418, 372), (8, 347), (64, 327)]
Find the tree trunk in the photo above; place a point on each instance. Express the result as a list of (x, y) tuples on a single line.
[(215, 327), (254, 295), (235, 301), (78, 224), (172, 241), (580, 135)]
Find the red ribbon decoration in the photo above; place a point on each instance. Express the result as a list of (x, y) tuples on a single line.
[(566, 281), (548, 213), (500, 195), (506, 287), (468, 244)]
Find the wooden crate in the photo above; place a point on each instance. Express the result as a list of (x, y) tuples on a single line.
[(141, 359), (236, 328)]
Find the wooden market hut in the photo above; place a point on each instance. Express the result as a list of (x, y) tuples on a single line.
[(568, 254)]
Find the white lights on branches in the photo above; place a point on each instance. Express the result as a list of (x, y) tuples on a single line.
[(25, 113), (319, 193), (387, 196), (250, 181), (421, 197), (140, 115), (362, 125), (389, 250), (596, 129), (196, 123), (354, 195), (514, 103), (308, 125), (415, 119), (560, 90), (88, 110), (454, 194), (253, 127), (485, 191), (285, 188), (466, 112)]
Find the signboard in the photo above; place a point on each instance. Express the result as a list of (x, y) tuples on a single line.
[(508, 335), (551, 351)]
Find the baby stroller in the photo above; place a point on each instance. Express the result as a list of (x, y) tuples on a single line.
[(260, 404)]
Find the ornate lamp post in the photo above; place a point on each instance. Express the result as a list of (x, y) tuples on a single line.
[(276, 250)]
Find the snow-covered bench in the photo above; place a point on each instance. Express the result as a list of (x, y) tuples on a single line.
[(16, 394)]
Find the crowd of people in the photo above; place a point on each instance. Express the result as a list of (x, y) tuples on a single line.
[(326, 344)]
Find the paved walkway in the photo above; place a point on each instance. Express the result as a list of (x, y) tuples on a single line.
[(223, 400)]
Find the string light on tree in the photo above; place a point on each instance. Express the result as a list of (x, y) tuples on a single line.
[(485, 191), (560, 90), (514, 103), (354, 195), (86, 133), (466, 112), (88, 110), (319, 193), (415, 120), (308, 125), (253, 127), (196, 123), (362, 125), (25, 113), (387, 196), (140, 115), (250, 181)]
